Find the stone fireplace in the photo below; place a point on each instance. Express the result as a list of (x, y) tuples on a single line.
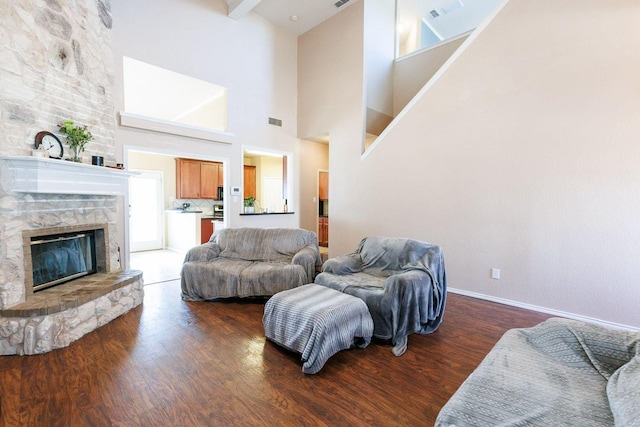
[(43, 197)]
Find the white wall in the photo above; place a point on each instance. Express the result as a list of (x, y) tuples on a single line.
[(255, 61), (330, 73), (331, 100), (314, 156), (379, 28), (412, 72), (523, 156)]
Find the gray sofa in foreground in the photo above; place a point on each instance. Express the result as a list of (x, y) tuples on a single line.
[(402, 281), (559, 373), (247, 262)]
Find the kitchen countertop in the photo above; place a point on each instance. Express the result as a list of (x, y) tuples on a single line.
[(181, 211), (267, 213)]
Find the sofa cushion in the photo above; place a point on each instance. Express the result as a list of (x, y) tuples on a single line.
[(223, 279), (353, 281), (268, 278), (263, 244)]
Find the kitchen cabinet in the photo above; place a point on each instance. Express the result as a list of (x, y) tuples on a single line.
[(249, 181), (209, 180), (197, 179), (323, 188), (323, 231), (206, 229), (187, 179)]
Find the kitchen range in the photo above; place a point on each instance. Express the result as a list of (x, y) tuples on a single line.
[(218, 211)]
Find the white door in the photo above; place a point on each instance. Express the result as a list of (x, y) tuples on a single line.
[(146, 211)]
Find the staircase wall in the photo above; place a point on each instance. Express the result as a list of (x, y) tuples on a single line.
[(522, 156)]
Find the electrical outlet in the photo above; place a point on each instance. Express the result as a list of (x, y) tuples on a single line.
[(495, 273)]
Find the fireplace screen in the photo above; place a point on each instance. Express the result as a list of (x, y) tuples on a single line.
[(63, 257)]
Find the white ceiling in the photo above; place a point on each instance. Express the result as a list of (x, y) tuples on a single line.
[(309, 13), (462, 15)]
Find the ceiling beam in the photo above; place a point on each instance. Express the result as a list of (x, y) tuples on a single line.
[(236, 9)]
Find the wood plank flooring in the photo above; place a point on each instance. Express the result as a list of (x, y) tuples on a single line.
[(173, 363)]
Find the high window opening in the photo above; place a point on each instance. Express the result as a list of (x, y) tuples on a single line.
[(154, 92)]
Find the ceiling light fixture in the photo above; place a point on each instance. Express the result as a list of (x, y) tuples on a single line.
[(293, 18)]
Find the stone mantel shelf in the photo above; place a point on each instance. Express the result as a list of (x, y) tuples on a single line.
[(24, 174)]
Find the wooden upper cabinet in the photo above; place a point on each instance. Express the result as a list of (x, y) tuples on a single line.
[(209, 180), (249, 181), (220, 175), (196, 179), (323, 190), (187, 179)]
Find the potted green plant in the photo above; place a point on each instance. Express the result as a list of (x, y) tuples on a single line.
[(249, 203), (77, 137)]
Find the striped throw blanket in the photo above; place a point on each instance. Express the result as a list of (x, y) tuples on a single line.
[(317, 322)]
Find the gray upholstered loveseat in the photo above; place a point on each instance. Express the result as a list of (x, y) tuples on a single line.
[(247, 262), (558, 373)]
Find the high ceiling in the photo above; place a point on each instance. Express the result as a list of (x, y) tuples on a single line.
[(299, 16), (294, 16)]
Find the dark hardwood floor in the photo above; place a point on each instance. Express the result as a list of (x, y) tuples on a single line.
[(172, 363)]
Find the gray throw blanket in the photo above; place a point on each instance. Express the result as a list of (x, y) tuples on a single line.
[(402, 281), (559, 373), (247, 262), (316, 322)]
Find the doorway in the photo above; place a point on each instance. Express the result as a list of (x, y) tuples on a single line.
[(146, 211)]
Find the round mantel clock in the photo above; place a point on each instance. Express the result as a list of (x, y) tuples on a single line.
[(50, 143)]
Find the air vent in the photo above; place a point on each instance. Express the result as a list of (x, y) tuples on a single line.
[(434, 13), (340, 3), (276, 122)]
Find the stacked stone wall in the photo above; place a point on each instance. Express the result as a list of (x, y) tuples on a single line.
[(56, 63)]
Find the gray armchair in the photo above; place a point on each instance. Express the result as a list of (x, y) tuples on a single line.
[(402, 281)]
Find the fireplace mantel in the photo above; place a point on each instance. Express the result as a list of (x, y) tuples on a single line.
[(41, 175)]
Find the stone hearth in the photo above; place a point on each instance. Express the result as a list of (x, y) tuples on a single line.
[(56, 317)]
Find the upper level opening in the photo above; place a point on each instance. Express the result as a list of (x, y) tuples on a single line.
[(162, 94), (421, 24)]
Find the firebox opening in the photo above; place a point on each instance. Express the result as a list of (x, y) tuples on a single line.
[(57, 255), (62, 257)]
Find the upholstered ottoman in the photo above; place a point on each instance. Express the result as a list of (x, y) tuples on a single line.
[(316, 322)]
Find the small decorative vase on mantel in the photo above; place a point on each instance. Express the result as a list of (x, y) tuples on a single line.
[(77, 157)]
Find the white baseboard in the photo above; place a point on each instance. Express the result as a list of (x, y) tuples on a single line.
[(543, 310)]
